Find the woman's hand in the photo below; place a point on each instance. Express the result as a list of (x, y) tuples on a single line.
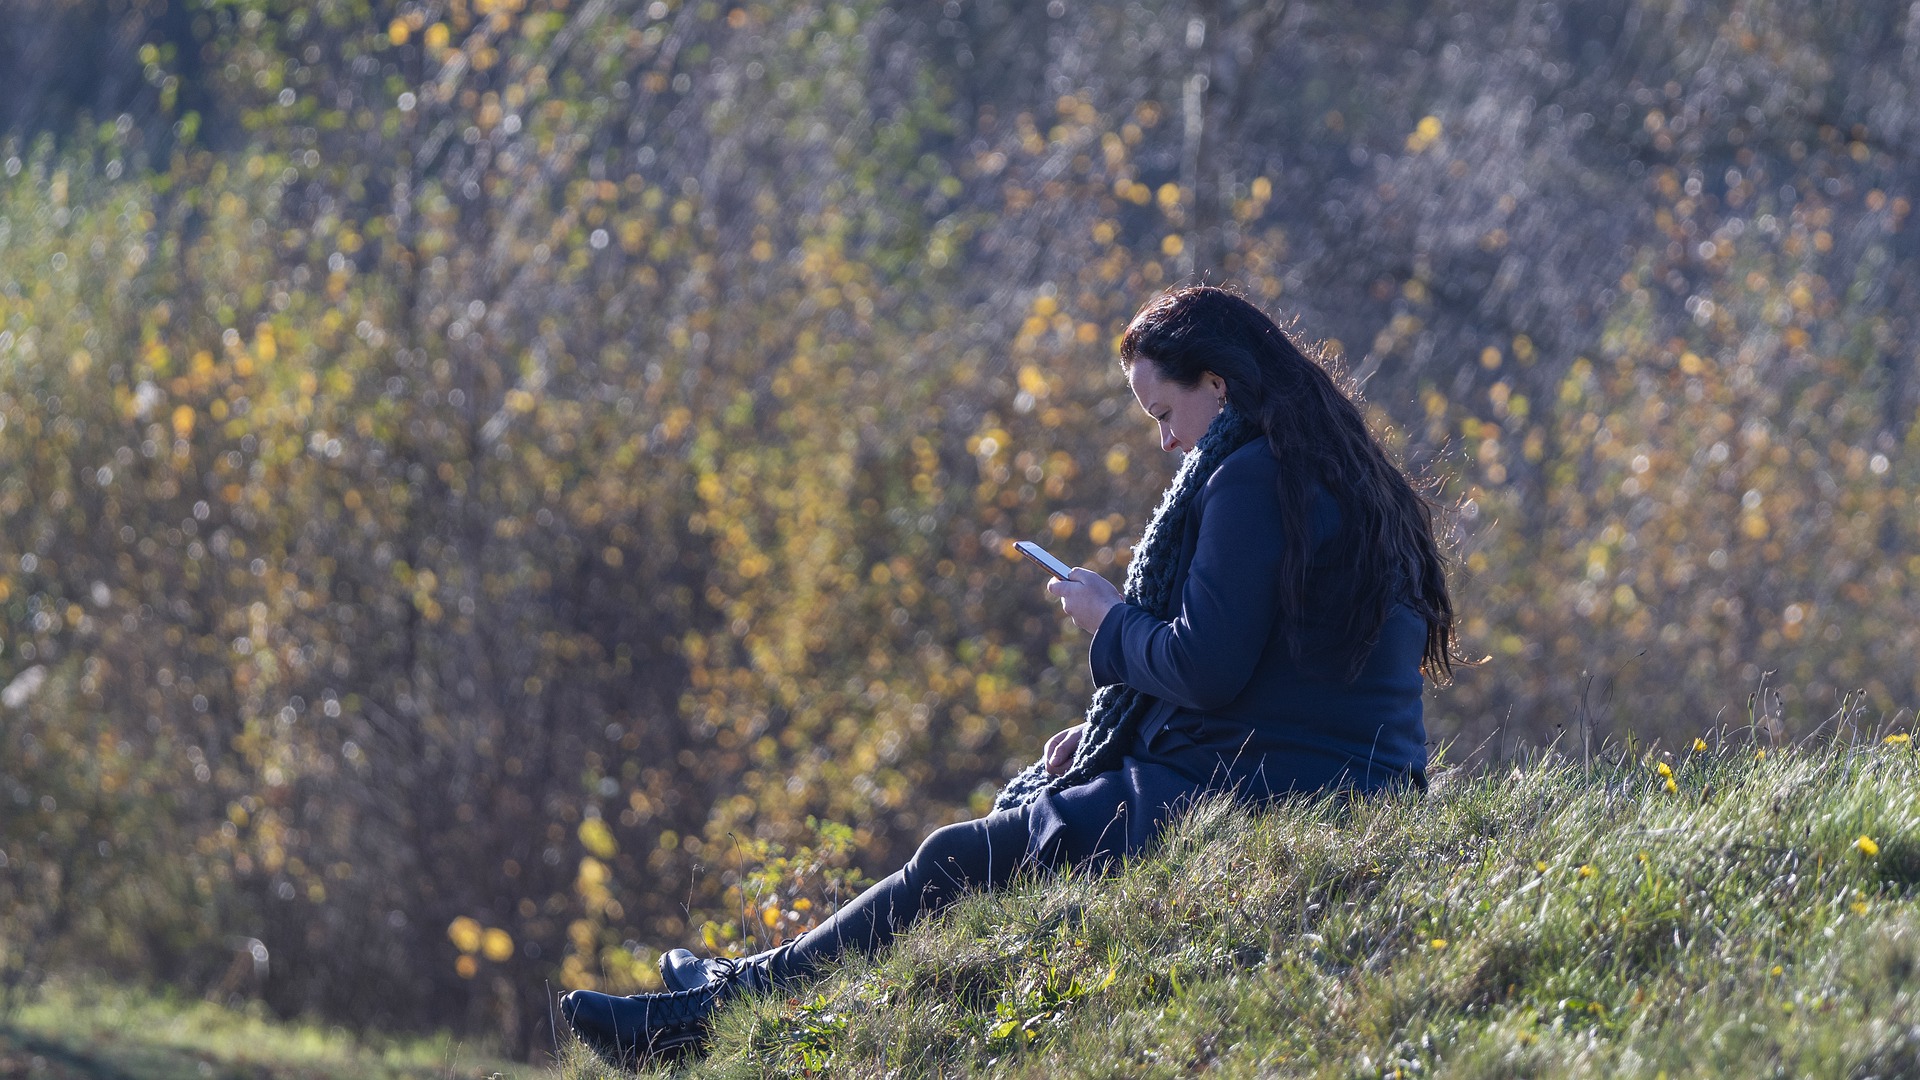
[(1086, 596), (1060, 748)]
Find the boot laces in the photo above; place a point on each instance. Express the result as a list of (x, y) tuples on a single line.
[(682, 1007), (735, 973)]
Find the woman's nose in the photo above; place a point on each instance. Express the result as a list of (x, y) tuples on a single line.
[(1167, 441)]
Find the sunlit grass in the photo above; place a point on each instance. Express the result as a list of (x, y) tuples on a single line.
[(91, 1030), (1756, 918)]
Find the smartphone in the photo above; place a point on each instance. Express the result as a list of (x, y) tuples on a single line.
[(1047, 562)]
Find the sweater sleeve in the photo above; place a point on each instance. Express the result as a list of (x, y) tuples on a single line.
[(1204, 657)]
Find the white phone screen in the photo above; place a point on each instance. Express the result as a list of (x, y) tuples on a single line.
[(1041, 556)]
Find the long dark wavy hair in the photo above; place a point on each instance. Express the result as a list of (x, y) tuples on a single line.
[(1317, 433)]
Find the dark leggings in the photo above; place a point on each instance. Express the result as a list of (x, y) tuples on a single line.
[(981, 854)]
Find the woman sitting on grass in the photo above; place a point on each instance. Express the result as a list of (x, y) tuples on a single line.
[(1279, 613)]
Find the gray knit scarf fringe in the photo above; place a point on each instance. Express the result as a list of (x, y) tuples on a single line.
[(1115, 714)]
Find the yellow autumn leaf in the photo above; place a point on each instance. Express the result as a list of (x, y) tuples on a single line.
[(596, 837), (465, 934), (1425, 134)]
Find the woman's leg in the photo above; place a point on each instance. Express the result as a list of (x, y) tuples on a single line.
[(1085, 825), (979, 854)]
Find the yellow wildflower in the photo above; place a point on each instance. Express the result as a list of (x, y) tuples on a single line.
[(1586, 870), (1866, 846), (1898, 739), (1438, 943), (1663, 769), (1699, 746)]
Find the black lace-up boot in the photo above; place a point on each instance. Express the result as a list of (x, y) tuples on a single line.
[(682, 970), (628, 1030)]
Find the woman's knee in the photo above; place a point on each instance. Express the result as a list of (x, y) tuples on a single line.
[(981, 852), (947, 845)]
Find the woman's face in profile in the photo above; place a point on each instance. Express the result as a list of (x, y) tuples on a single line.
[(1183, 413)]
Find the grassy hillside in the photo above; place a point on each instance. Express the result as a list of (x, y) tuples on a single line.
[(97, 1033), (1718, 911)]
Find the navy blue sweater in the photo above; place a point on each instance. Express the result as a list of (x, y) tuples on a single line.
[(1231, 695)]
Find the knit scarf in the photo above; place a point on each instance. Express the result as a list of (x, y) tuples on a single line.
[(1114, 716)]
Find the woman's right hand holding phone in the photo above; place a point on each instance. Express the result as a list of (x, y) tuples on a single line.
[(1086, 597)]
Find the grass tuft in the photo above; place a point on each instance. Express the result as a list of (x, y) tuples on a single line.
[(1719, 916), (97, 1031)]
